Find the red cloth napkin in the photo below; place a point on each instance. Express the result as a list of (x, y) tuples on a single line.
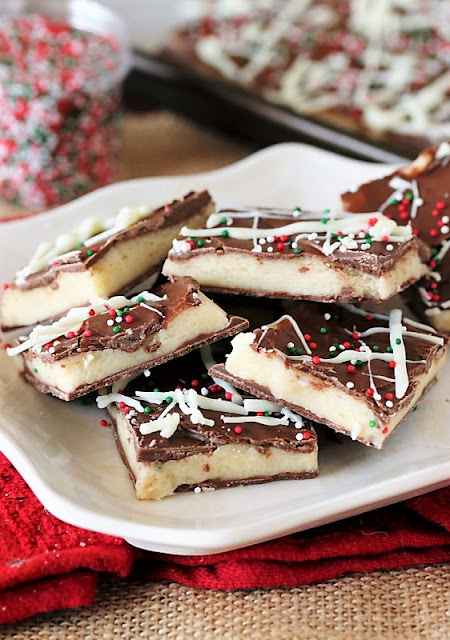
[(46, 564)]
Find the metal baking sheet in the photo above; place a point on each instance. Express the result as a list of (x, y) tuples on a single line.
[(241, 113)]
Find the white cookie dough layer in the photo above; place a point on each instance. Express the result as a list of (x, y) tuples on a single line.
[(67, 376), (228, 463), (118, 270), (307, 276), (318, 399)]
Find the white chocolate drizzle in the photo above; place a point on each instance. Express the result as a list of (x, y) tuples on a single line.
[(349, 228), (88, 232), (190, 404), (72, 321), (398, 356)]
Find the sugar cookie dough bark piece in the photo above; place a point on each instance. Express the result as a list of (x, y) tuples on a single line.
[(179, 430), (288, 254), (95, 346), (418, 194), (359, 373), (98, 259)]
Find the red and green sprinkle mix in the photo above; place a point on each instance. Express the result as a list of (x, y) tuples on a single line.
[(59, 116)]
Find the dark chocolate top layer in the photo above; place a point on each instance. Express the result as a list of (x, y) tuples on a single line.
[(175, 212), (371, 256), (330, 330), (189, 372), (432, 185), (127, 328)]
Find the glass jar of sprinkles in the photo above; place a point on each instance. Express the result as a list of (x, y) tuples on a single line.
[(62, 63)]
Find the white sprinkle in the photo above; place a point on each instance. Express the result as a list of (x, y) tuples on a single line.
[(270, 239), (389, 403), (332, 349), (327, 316), (56, 342), (389, 247), (299, 436), (365, 246), (197, 490), (350, 385), (418, 201), (294, 245), (376, 396), (110, 322), (51, 350), (269, 249), (204, 391), (444, 229), (119, 319), (262, 241), (147, 373), (445, 219), (257, 249), (290, 345)]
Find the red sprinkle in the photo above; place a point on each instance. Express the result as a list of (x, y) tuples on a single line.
[(128, 319), (385, 430), (316, 360), (372, 222), (306, 435), (313, 345), (385, 238), (283, 238), (404, 215), (392, 364), (307, 336), (122, 405), (351, 368), (70, 334), (389, 396), (280, 246), (91, 312), (433, 233), (5, 286), (194, 383), (440, 204), (112, 313), (126, 409), (369, 391), (346, 345), (87, 333), (260, 413), (405, 201), (355, 335), (94, 249), (6, 345), (435, 213), (237, 429), (228, 395), (368, 316), (103, 423)]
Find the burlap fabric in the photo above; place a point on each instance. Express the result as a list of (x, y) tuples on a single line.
[(410, 604)]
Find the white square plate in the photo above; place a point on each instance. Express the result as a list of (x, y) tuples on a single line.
[(72, 464)]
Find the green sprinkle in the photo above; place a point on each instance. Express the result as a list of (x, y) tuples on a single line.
[(438, 261), (372, 423), (141, 299), (223, 220), (333, 236), (298, 351), (297, 208), (297, 251), (389, 349), (225, 233), (394, 201), (119, 313), (414, 408), (323, 329), (326, 211), (204, 375), (80, 245), (116, 329), (358, 363), (169, 399), (192, 238), (409, 196), (90, 252), (126, 308), (35, 370), (267, 413), (434, 251), (324, 220), (156, 390), (147, 410), (200, 243), (375, 347), (398, 341)]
